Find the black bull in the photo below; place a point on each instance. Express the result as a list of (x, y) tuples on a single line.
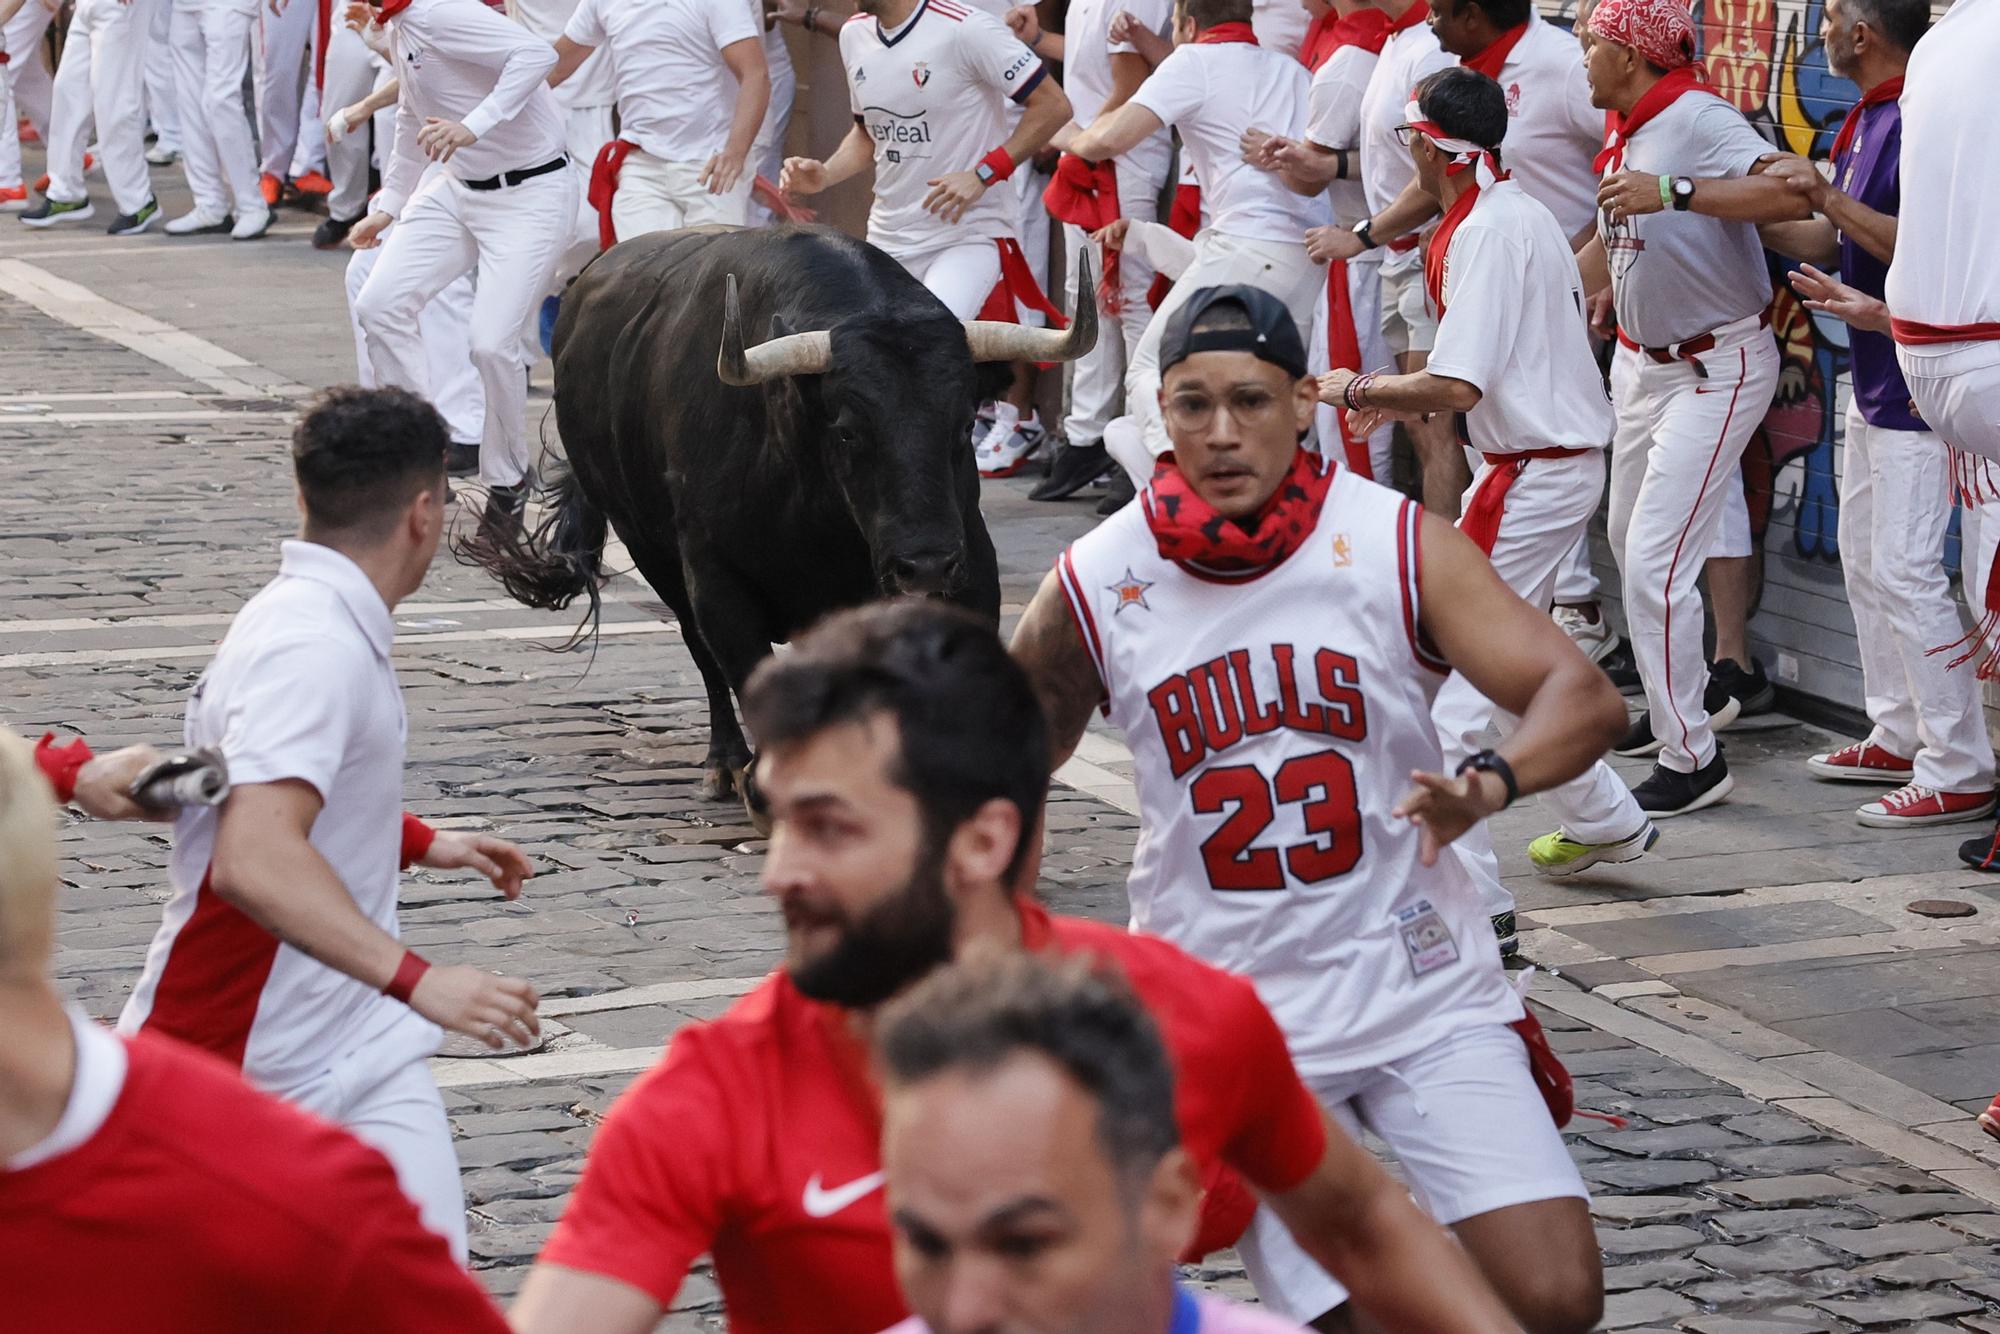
[(759, 488)]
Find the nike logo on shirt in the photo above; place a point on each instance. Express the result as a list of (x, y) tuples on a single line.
[(823, 1203)]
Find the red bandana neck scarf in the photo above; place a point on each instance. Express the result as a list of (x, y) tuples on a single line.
[(1410, 17), (1489, 61), (1365, 28), (1228, 32), (1437, 246), (388, 9), (1886, 91), (1187, 528), (1465, 156), (1618, 130)]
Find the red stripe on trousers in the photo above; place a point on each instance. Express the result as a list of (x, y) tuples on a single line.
[(1667, 628)]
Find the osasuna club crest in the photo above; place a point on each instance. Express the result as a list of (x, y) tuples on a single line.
[(921, 72)]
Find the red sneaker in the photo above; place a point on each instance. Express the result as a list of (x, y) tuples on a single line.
[(1989, 1120), (13, 198), (270, 187), (42, 181), (312, 183), (1862, 762), (27, 131), (1914, 804)]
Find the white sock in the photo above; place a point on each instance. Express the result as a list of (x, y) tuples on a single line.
[(1006, 415)]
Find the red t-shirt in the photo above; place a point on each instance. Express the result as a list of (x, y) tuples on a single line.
[(756, 1139), (202, 1206)]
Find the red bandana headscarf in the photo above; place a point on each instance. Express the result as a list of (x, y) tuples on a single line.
[(1187, 528), (1660, 30)]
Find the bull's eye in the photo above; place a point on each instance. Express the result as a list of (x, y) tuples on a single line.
[(846, 436)]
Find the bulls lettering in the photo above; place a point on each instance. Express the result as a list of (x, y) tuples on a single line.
[(1214, 705)]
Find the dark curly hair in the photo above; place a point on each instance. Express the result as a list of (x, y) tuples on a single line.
[(361, 455)]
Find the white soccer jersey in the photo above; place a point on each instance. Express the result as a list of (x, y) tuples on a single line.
[(1386, 165), (1333, 120), (933, 96), (1273, 723), (300, 689), (1514, 328), (1553, 133), (1210, 94)]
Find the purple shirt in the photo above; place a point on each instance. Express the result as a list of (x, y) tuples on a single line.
[(1869, 173)]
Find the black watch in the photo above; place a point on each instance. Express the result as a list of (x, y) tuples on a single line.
[(1364, 230), (1490, 762), (985, 173), (1683, 194)]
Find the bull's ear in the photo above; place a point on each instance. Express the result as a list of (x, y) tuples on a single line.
[(780, 327)]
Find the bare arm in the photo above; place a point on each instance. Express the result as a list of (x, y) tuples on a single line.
[(1048, 646), (1402, 1268), (808, 176), (1753, 198), (570, 56), (1814, 240), (559, 1300), (1115, 132), (1872, 231), (1593, 266), (1045, 111), (1417, 394), (745, 60)]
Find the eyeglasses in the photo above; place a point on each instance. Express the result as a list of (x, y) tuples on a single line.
[(1193, 411), (1405, 134)]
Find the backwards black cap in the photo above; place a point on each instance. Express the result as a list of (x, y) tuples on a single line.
[(1272, 336)]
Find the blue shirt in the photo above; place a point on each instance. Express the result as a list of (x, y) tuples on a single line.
[(1869, 172)]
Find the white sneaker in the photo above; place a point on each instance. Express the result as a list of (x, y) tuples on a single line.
[(163, 155), (1004, 453), (1595, 638), (251, 225), (195, 222)]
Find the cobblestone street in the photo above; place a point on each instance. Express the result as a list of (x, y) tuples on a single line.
[(1796, 1052)]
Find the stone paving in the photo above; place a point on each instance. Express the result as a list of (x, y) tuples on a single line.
[(1793, 1049)]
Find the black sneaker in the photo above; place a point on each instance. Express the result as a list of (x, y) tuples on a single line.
[(331, 234), (1639, 738), (1623, 669), (1982, 853), (1118, 493), (47, 212), (1665, 793), (131, 224), (1504, 932), (1733, 693), (500, 521), (461, 460), (1073, 468)]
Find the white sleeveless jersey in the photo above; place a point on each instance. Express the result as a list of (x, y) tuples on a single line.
[(1274, 722)]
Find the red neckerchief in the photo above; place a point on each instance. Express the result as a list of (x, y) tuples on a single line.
[(1231, 32), (1365, 28), (1438, 244), (1886, 91), (1187, 528), (1489, 61), (1410, 17), (1618, 130), (1085, 194), (388, 9)]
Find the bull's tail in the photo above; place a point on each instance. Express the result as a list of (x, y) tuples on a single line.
[(555, 562)]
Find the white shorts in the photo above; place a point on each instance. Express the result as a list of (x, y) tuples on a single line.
[(1465, 1120), (1408, 325)]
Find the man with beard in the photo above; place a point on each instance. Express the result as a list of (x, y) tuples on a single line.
[(905, 761)]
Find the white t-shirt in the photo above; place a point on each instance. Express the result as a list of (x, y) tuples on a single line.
[(1553, 133), (1210, 94), (1675, 275), (1386, 165), (1087, 52), (1944, 271), (1280, 25), (590, 86), (933, 96), (1514, 328), (676, 97), (1333, 120), (301, 688)]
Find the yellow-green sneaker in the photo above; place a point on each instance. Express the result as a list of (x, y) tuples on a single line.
[(1559, 854)]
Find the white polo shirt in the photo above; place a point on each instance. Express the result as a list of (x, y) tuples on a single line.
[(1333, 120), (459, 60), (676, 96), (1087, 52), (933, 95), (1280, 25), (1514, 328), (301, 688), (1553, 133), (590, 86), (1386, 166), (1210, 94)]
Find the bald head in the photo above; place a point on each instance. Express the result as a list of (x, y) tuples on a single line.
[(27, 863)]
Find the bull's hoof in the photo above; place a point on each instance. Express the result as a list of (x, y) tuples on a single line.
[(718, 783), (753, 800)]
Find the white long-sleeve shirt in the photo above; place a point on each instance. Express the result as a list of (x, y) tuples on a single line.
[(459, 60)]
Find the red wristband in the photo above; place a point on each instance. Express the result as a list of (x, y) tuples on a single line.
[(417, 838), (61, 763), (408, 973), (1002, 165)]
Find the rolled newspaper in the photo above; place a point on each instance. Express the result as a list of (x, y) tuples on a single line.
[(186, 778)]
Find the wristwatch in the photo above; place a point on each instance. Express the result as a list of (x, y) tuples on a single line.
[(1490, 762), (1683, 194), (985, 173), (1363, 230)]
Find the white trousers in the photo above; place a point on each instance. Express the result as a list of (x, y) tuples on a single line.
[(1956, 387), (1546, 512), (102, 78), (1895, 502), (1281, 268), (962, 276), (1097, 379), (211, 52), (162, 99), (1469, 1128), (1576, 581), (309, 154), (1364, 296), (34, 87), (352, 72), (659, 196), (451, 383), (511, 239), (10, 137), (400, 1115), (1680, 434), (282, 79)]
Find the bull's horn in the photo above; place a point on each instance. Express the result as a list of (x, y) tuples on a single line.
[(994, 340), (793, 354)]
